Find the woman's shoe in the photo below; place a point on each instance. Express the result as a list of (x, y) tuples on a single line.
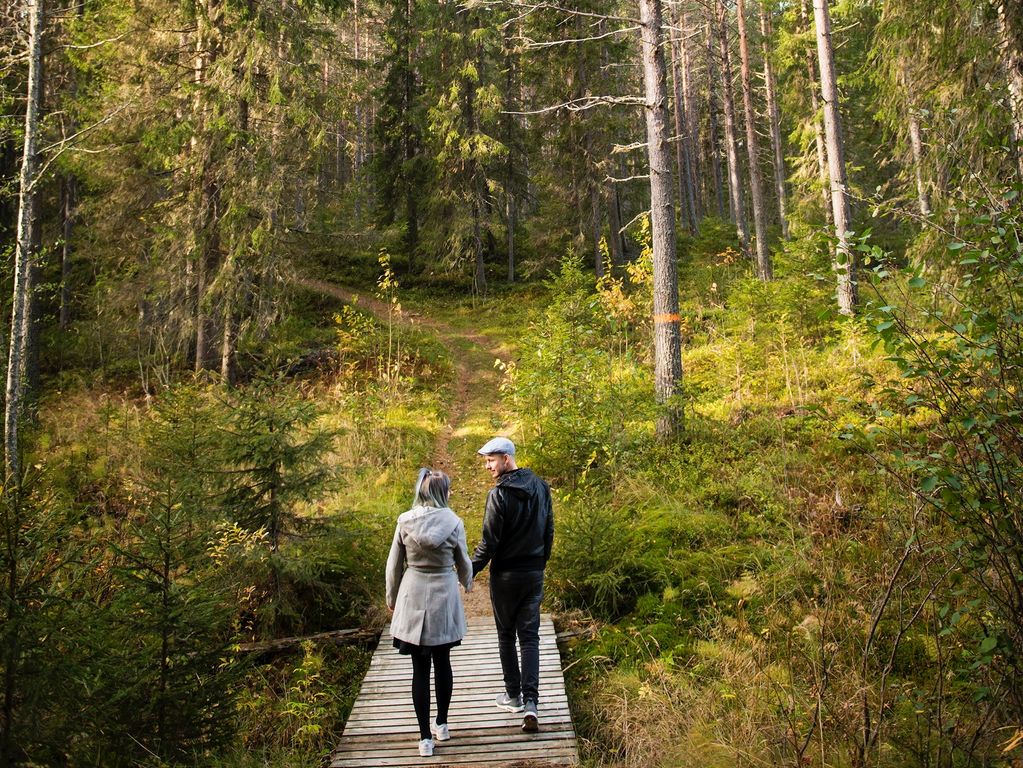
[(440, 731), (426, 748)]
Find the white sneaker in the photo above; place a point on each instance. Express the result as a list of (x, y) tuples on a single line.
[(426, 748), (440, 732)]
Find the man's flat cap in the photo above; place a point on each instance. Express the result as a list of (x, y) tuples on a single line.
[(498, 445)]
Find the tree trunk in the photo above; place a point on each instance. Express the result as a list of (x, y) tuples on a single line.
[(616, 243), (818, 123), (715, 136), (686, 178), (512, 217), (474, 173), (596, 222), (207, 236), (412, 139), (228, 357), (667, 330), (616, 240), (24, 257), (69, 209), (692, 120), (512, 87), (33, 317), (917, 146), (357, 150), (764, 271), (738, 209), (845, 261), (772, 109), (1010, 26)]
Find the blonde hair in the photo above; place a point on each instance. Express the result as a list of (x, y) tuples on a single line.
[(432, 488)]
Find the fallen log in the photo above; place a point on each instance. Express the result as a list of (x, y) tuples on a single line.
[(270, 648)]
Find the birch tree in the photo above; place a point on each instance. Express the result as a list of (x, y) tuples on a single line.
[(26, 237), (844, 260), (816, 119), (1010, 27)]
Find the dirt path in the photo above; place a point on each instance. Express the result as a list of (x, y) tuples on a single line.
[(472, 411)]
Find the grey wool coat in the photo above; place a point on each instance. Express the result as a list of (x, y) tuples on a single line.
[(422, 585)]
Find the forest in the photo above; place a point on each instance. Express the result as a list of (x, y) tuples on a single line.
[(742, 278)]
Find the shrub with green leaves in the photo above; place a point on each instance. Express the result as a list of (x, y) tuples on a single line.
[(956, 338), (581, 401)]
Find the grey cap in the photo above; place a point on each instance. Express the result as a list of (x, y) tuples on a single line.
[(498, 445)]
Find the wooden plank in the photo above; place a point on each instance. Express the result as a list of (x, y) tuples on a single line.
[(382, 730)]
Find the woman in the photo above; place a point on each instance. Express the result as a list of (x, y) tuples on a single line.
[(428, 618)]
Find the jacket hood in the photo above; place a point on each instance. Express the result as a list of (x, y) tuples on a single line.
[(429, 526), (523, 480)]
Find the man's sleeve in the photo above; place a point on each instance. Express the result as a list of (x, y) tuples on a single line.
[(493, 523), (548, 534)]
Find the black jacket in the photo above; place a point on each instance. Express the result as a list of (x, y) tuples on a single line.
[(518, 525)]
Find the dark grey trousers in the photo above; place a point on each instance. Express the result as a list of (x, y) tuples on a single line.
[(516, 597)]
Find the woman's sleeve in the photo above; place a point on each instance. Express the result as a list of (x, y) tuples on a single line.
[(395, 567), (462, 562)]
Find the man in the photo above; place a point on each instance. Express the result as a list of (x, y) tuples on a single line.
[(518, 531)]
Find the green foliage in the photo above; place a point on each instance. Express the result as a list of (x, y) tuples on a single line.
[(958, 350), (582, 400), (291, 713)]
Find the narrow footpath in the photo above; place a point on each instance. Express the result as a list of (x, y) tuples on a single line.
[(474, 414)]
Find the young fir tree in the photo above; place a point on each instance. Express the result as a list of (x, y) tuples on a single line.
[(169, 674), (274, 454)]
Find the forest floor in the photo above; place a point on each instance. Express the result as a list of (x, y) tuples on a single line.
[(474, 412)]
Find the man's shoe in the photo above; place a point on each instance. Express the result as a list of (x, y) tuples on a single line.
[(426, 748), (440, 732), (509, 703), (531, 721)]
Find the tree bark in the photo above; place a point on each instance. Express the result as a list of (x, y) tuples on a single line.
[(818, 123), (357, 151), (207, 237), (596, 223), (735, 195), (667, 330), (770, 92), (1010, 25), (917, 146), (24, 256), (692, 120), (614, 220), (69, 210), (845, 261), (686, 178), (512, 87), (715, 135), (764, 270)]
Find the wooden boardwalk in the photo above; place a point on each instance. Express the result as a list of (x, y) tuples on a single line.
[(382, 730)]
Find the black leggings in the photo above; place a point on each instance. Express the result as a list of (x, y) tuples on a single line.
[(421, 686)]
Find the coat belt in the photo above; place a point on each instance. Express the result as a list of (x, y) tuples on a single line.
[(432, 568)]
